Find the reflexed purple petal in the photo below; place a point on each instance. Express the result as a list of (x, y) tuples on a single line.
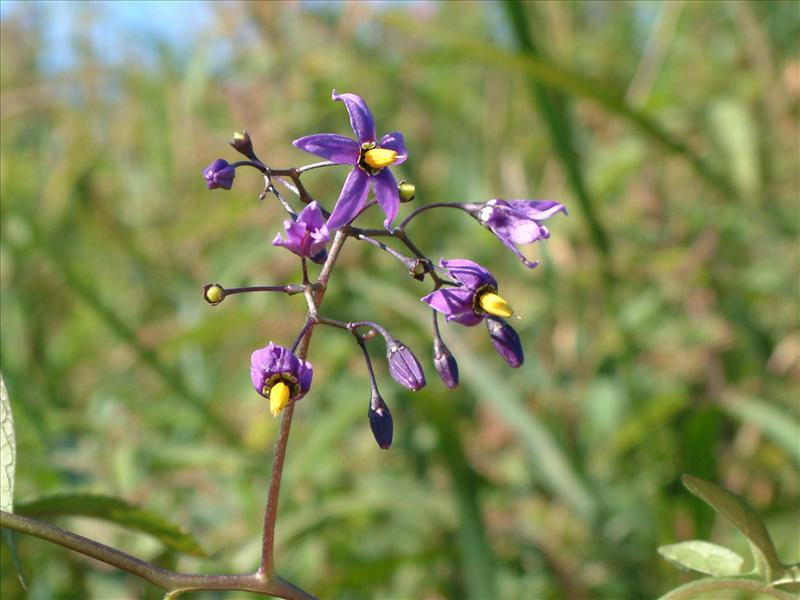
[(351, 199), (311, 215), (337, 148), (387, 195), (531, 264), (360, 116), (394, 141), (304, 375), (455, 304), (469, 273), (538, 210), (505, 224)]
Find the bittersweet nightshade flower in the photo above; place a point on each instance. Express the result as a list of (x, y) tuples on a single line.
[(307, 236), (370, 159), (506, 341), (445, 363), (473, 299), (518, 222), (404, 366), (380, 420), (279, 376), (219, 174)]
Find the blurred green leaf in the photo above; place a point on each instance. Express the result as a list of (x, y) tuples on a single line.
[(779, 426), (115, 510), (736, 510), (703, 557)]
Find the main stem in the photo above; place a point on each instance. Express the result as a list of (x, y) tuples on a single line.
[(267, 568)]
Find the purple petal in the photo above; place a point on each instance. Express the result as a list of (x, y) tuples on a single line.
[(538, 210), (509, 225), (455, 304), (394, 141), (337, 148), (311, 215), (387, 195), (360, 117), (469, 273), (351, 200)]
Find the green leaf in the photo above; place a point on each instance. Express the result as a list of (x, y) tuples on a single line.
[(736, 510), (116, 511), (8, 450), (778, 425), (703, 557)]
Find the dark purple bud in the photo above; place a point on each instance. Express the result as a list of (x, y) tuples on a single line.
[(403, 365), (380, 420), (242, 143), (320, 257), (505, 340), (445, 363), (219, 174)]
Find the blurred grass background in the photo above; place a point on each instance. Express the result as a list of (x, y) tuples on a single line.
[(661, 332)]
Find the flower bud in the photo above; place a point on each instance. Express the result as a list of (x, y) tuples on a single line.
[(219, 174), (213, 293), (505, 340), (242, 143), (407, 191), (404, 366), (380, 421), (445, 363)]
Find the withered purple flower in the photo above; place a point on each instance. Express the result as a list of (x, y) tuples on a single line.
[(518, 222), (506, 341), (370, 159), (475, 297), (307, 236), (380, 420), (279, 376), (219, 174), (404, 366)]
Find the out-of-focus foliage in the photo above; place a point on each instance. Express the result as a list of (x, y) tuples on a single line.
[(678, 352)]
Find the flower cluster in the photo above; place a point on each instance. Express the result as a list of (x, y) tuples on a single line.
[(465, 292)]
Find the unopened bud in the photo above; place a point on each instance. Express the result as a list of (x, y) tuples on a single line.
[(407, 191), (213, 293), (445, 363), (404, 366), (505, 340), (380, 421), (242, 143), (419, 268)]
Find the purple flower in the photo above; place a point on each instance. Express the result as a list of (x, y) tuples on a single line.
[(307, 236), (518, 221), (506, 341), (404, 366), (474, 297), (219, 174), (370, 159), (380, 421), (445, 363), (279, 376)]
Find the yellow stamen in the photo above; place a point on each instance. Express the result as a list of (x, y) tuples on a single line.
[(495, 305), (377, 158), (278, 398)]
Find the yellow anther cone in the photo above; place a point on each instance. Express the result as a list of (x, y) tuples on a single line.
[(495, 305), (378, 158), (278, 398)]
